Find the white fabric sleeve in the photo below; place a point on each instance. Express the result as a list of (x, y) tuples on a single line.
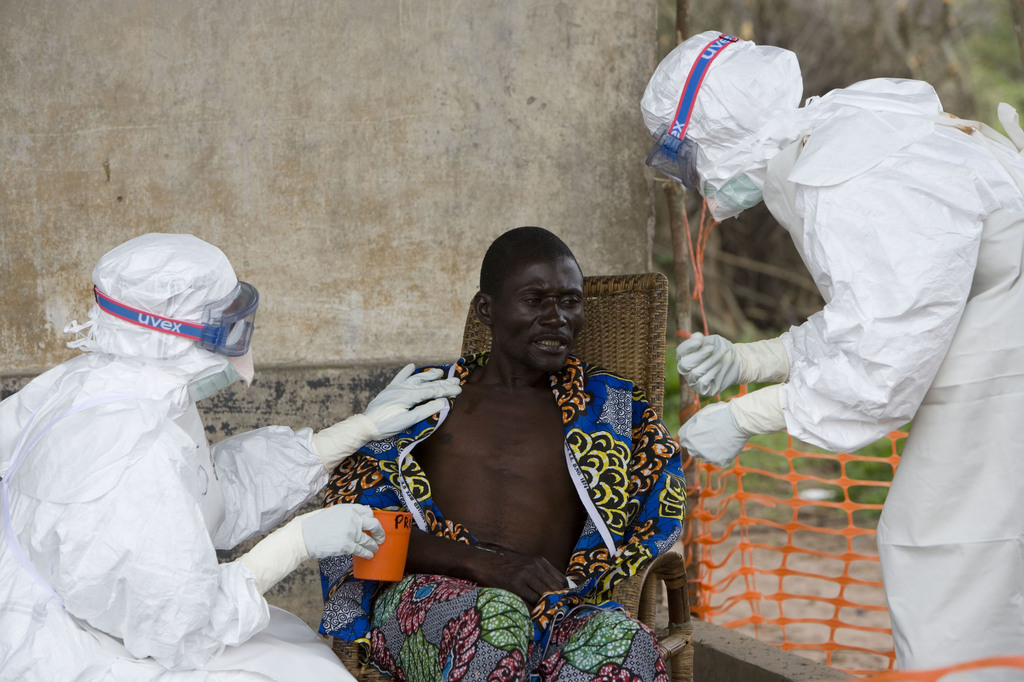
[(759, 411), (138, 563), (265, 475), (762, 361), (894, 251), (276, 555)]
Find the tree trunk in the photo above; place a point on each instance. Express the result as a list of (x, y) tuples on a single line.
[(1017, 17), (681, 265)]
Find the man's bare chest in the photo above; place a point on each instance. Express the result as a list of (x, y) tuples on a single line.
[(492, 425), (492, 444), (497, 465)]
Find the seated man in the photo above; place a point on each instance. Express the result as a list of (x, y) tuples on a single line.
[(534, 493)]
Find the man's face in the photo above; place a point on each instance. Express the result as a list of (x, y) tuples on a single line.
[(538, 313)]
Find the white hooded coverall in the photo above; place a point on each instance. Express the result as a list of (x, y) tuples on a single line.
[(912, 226), (919, 257), (118, 506)]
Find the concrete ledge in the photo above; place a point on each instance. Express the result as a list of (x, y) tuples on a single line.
[(724, 655)]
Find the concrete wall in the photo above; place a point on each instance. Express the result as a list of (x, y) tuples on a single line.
[(353, 159)]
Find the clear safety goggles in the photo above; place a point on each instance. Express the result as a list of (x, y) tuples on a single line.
[(226, 327), (675, 157), (673, 153)]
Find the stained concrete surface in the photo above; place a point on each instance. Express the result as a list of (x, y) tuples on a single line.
[(353, 159)]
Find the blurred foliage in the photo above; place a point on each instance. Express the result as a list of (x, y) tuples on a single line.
[(995, 64)]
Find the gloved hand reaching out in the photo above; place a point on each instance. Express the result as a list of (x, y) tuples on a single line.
[(393, 411), (711, 364), (322, 533), (400, 405), (713, 435), (718, 432)]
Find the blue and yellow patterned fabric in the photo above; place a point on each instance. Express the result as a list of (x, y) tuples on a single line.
[(628, 464)]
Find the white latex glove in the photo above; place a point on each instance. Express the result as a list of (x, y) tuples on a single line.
[(340, 530), (396, 408), (712, 363), (708, 363), (718, 432), (713, 435), (321, 533)]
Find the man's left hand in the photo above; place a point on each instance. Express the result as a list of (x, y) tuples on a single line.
[(528, 577)]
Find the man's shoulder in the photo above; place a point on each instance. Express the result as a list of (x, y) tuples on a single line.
[(606, 385), (596, 374), (436, 365), (599, 373)]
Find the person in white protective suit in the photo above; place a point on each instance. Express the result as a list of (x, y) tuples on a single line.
[(911, 223), (114, 505)]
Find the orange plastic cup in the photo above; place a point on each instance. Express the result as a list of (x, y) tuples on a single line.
[(389, 561)]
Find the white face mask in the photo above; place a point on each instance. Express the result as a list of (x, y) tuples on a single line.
[(243, 364), (735, 196), (204, 387), (238, 369)]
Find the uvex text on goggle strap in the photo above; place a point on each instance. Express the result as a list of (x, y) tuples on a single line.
[(673, 154), (226, 326)]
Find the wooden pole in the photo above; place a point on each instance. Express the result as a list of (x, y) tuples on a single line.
[(681, 265), (1017, 17)]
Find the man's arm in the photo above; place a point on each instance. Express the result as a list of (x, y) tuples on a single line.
[(659, 495), (356, 481), (526, 576)]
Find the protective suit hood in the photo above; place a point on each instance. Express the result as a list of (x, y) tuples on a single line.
[(745, 112), (172, 275)]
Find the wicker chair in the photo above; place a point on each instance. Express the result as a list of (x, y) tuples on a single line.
[(624, 332)]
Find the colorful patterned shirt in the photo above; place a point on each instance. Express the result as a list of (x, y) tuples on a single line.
[(625, 463)]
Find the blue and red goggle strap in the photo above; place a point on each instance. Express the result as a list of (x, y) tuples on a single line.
[(152, 321), (694, 81)]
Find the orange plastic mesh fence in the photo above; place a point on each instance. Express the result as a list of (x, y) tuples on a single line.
[(786, 551)]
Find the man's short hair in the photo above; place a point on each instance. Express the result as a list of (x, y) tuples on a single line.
[(517, 246)]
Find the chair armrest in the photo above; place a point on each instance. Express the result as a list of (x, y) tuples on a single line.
[(641, 594), (352, 656)]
